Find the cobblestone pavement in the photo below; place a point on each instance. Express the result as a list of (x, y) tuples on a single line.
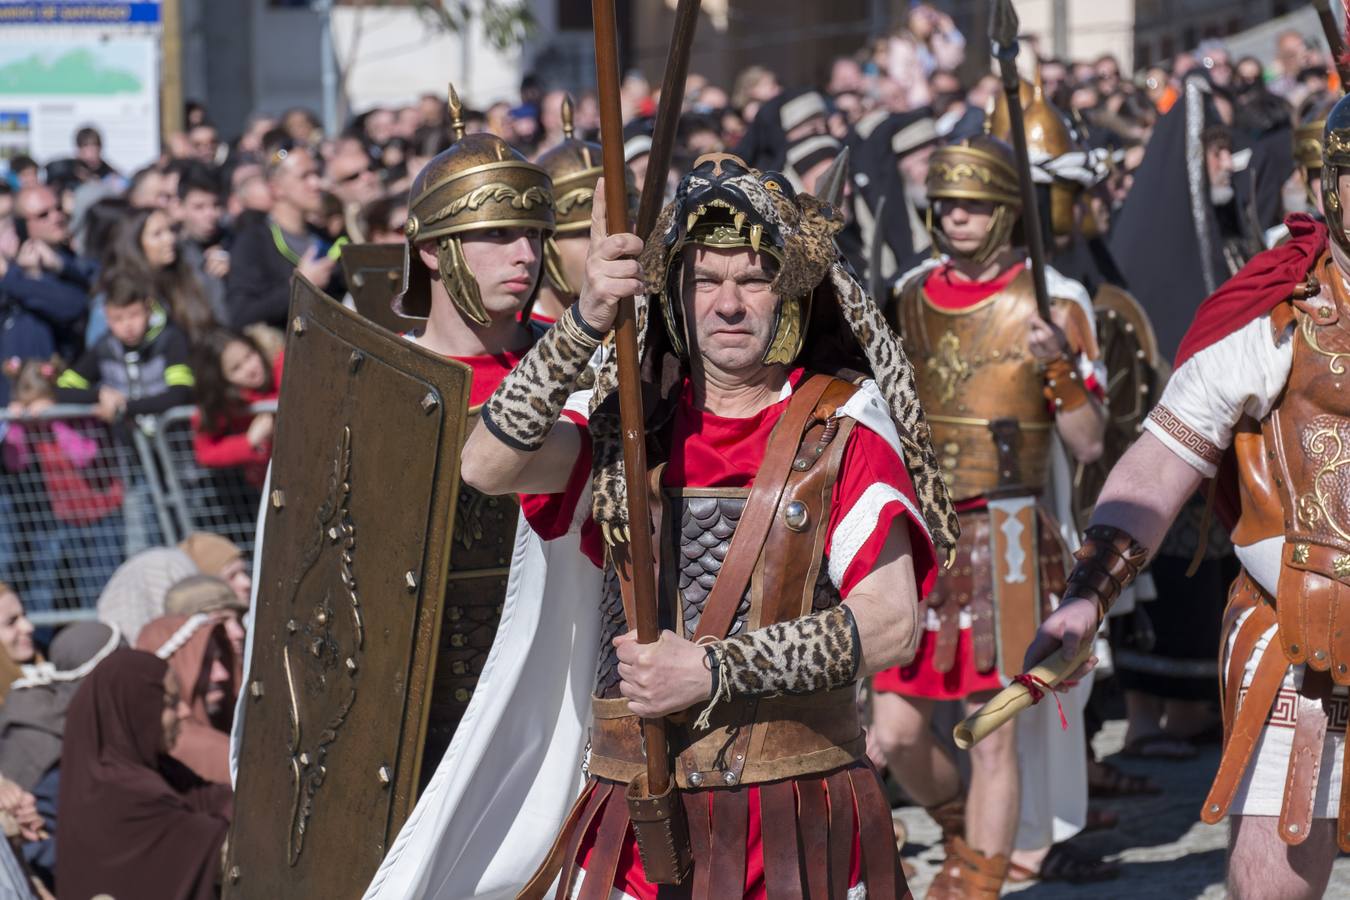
[(1164, 849)]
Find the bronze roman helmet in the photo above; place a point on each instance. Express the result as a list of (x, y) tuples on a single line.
[(1336, 160), (479, 182), (1308, 142), (574, 165), (1048, 138), (978, 168)]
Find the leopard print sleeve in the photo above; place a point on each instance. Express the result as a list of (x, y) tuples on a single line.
[(530, 398), (806, 655)]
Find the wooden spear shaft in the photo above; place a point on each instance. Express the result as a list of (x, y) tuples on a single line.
[(631, 419)]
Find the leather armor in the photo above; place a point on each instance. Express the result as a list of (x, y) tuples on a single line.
[(974, 366), (753, 739), (1307, 441)]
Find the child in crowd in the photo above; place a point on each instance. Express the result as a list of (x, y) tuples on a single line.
[(233, 373), (67, 506), (139, 368), (136, 368)]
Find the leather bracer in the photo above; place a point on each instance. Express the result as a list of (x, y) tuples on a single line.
[(1108, 561), (1063, 385), (530, 398)]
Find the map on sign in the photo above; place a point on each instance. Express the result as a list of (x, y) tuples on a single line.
[(51, 88), (79, 70)]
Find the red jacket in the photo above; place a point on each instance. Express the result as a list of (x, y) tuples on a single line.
[(229, 448)]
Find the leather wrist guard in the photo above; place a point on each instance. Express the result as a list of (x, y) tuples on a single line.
[(1107, 562), (530, 398), (1063, 385), (806, 655)]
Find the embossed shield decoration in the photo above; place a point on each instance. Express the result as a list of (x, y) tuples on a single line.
[(355, 556)]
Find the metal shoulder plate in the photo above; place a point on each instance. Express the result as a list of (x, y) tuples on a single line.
[(1134, 380), (359, 521)]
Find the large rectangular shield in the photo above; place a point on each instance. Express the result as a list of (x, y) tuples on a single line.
[(359, 521)]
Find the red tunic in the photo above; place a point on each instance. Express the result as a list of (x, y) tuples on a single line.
[(717, 451)]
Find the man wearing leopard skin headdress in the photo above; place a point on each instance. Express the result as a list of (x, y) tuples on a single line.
[(1000, 386), (798, 516), (1257, 403)]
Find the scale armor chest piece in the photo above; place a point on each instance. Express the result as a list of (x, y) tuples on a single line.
[(705, 521), (973, 366)]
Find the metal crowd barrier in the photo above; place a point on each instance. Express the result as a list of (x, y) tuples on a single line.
[(78, 497)]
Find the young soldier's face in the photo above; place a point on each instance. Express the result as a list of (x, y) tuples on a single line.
[(964, 222), (505, 262), (729, 310)]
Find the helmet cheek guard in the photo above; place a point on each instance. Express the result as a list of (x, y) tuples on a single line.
[(1336, 161)]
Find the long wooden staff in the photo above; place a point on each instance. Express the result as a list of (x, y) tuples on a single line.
[(652, 805), (1003, 25), (1335, 41)]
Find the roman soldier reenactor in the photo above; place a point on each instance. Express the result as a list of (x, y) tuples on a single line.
[(1258, 381), (794, 494), (999, 385)]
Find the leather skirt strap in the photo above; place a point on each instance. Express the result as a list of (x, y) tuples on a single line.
[(1343, 817), (553, 863), (782, 855), (1248, 724), (813, 826), (1305, 757), (730, 824), (600, 792), (842, 829), (700, 839), (609, 841), (1249, 632), (880, 856)]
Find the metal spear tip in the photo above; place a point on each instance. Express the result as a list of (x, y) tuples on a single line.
[(567, 126), (830, 186), (456, 112), (1003, 24)]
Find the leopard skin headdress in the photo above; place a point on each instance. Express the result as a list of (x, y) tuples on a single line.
[(827, 322)]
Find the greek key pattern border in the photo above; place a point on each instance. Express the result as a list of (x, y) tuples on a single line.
[(1184, 435), (1284, 712)]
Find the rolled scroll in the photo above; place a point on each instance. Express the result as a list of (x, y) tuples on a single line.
[(1024, 692)]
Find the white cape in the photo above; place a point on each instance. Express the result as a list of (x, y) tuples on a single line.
[(513, 768)]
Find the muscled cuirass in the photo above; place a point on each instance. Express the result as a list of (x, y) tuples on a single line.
[(1307, 440), (973, 366)]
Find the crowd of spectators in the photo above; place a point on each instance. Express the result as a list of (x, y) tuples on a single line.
[(134, 292)]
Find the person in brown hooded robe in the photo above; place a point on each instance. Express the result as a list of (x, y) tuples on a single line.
[(199, 651), (134, 821)]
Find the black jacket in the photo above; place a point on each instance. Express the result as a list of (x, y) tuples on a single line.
[(258, 288)]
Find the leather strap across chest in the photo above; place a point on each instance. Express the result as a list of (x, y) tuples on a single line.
[(808, 404)]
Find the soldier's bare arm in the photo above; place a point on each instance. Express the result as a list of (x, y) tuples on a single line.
[(518, 445), (1142, 496), (885, 605)]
